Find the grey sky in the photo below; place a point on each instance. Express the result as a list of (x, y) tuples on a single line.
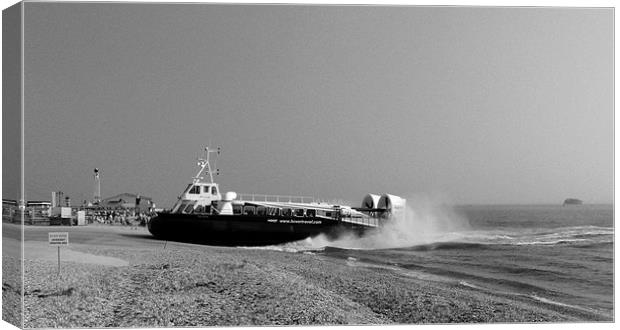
[(479, 105)]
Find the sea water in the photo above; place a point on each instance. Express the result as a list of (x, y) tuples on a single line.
[(555, 254)]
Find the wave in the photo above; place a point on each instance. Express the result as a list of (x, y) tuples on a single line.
[(531, 296), (491, 281), (447, 246), (308, 245), (602, 244), (556, 236), (579, 237)]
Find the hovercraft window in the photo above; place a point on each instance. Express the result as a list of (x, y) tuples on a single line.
[(299, 212), (273, 211), (195, 190), (287, 212), (261, 210), (181, 208), (248, 210), (311, 213), (205, 189), (189, 208), (237, 209), (213, 190), (184, 206), (322, 213)]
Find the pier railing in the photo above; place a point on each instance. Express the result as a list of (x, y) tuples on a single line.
[(276, 198), (31, 215), (37, 216), (8, 213)]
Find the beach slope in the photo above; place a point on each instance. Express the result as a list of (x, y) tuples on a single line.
[(121, 277)]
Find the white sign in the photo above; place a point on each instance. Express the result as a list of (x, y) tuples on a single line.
[(81, 218), (59, 238)]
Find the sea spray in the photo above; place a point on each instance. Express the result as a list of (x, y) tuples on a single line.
[(425, 220), (429, 223)]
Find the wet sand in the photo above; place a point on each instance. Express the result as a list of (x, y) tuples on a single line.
[(122, 277)]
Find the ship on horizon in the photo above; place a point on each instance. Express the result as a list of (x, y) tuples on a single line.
[(572, 201)]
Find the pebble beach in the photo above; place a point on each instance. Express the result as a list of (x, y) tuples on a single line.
[(121, 277)]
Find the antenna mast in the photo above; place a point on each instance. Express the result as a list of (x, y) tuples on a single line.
[(204, 164)]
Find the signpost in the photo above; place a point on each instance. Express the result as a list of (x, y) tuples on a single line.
[(58, 239)]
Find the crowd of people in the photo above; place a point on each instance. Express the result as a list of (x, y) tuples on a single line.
[(120, 217), (107, 216)]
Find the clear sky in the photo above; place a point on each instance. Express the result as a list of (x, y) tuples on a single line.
[(477, 105)]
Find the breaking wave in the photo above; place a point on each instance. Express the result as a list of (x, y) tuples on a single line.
[(545, 236)]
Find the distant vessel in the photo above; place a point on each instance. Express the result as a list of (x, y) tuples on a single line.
[(202, 214), (572, 201)]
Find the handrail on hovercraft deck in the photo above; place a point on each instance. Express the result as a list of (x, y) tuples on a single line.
[(276, 198)]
